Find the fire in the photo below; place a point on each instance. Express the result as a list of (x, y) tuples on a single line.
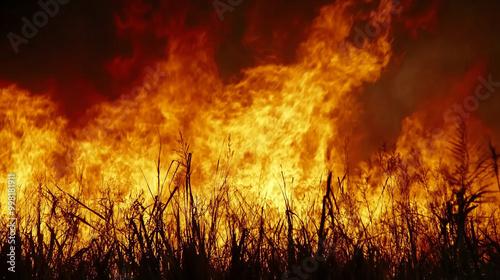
[(271, 136), (31, 134), (293, 118), (279, 117)]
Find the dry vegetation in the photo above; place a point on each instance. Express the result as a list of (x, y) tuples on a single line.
[(176, 235)]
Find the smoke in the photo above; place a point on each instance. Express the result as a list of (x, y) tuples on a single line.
[(65, 56), (440, 50), (94, 51)]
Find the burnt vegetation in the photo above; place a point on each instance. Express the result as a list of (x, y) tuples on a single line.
[(169, 232)]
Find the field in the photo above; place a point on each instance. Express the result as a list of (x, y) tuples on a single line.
[(170, 233)]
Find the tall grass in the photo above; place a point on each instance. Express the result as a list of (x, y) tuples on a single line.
[(168, 232)]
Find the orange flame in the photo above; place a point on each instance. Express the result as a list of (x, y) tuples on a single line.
[(278, 118)]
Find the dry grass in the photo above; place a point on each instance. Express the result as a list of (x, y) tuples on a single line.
[(178, 236)]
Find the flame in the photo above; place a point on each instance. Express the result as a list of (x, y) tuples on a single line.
[(278, 124)]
